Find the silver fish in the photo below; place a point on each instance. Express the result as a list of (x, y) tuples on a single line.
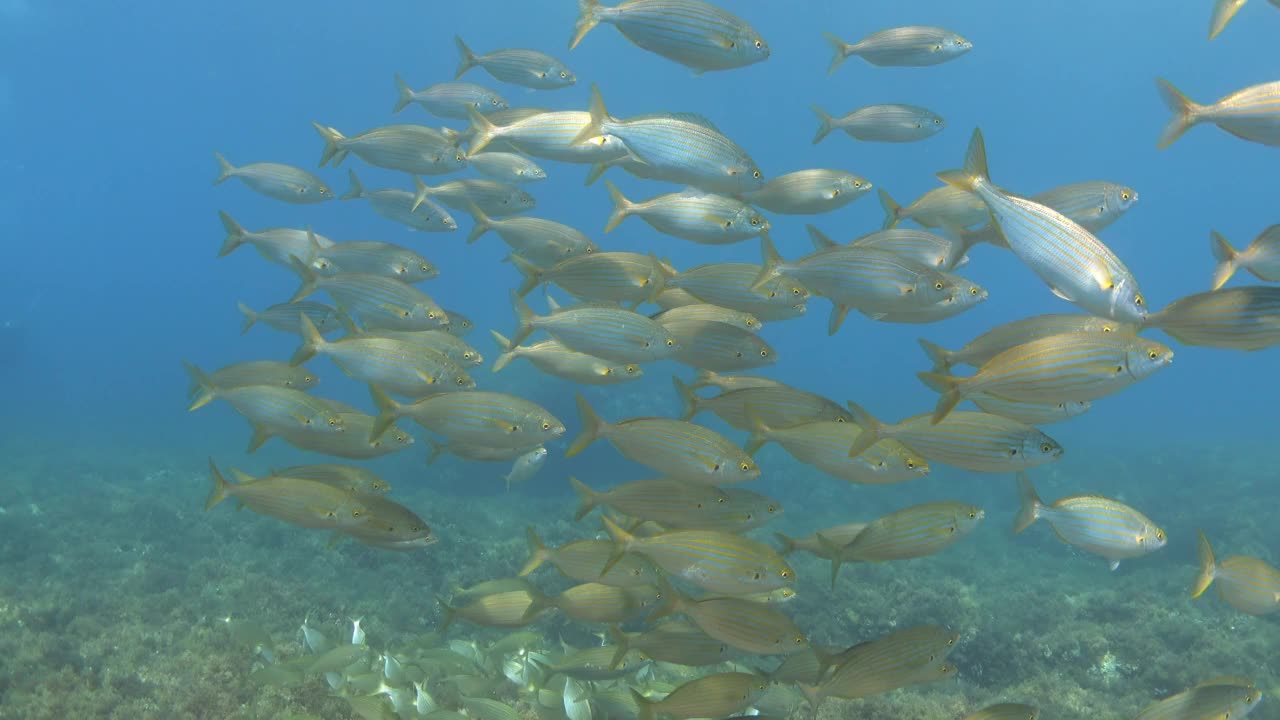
[(282, 182), (882, 123), (449, 99), (695, 34), (528, 68)]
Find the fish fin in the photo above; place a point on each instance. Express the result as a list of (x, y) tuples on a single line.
[(404, 95), (532, 275), (975, 166), (1028, 504), (507, 354), (620, 640), (840, 50), (950, 397), (483, 223), (348, 323), (433, 453), (595, 172), (820, 239), (658, 278), (892, 211), (938, 355), (703, 378), (236, 234), (420, 193), (448, 611), (688, 400), (592, 428), (355, 190), (599, 115), (622, 540), (587, 19), (1060, 293), (538, 552), (838, 314), (524, 319), (225, 169), (203, 384), (1185, 113), (826, 124), (759, 433), (483, 131), (814, 695), (312, 341), (588, 499), (221, 489), (788, 544), (1208, 566), (250, 317), (771, 261), (466, 58), (1223, 11), (332, 149), (836, 553), (1227, 257), (259, 437), (644, 706), (308, 278), (1113, 565), (388, 412), (872, 429), (622, 207)]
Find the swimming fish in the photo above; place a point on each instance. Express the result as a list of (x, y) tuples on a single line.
[(944, 206), (305, 503), (554, 358), (608, 332), (378, 258), (478, 417), (1262, 257), (1248, 584), (692, 215), (619, 277), (256, 372), (718, 346), (1241, 318), (526, 466), (809, 192), (285, 317), (528, 68), (731, 285), (414, 149), (1221, 698), (991, 343), (1250, 114), (695, 34), (881, 123), (775, 405), (912, 532), (402, 206), (912, 45), (507, 167), (544, 243), (449, 99), (1095, 524), (710, 696), (282, 182)]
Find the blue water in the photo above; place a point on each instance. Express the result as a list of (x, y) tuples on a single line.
[(111, 113)]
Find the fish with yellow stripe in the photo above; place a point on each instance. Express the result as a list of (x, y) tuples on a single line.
[(825, 445), (1250, 114), (1224, 698), (1248, 584), (1262, 257), (1239, 318), (1011, 334), (690, 214), (744, 624), (901, 658), (297, 501), (696, 34), (809, 192), (912, 532), (1093, 523)]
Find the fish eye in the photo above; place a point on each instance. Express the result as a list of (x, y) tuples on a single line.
[(973, 291), (671, 343), (302, 191), (755, 575), (728, 224), (459, 157), (333, 422), (938, 285), (462, 381), (1124, 196), (755, 221), (1137, 300), (564, 74), (546, 425), (751, 322), (405, 314), (795, 291), (1046, 448), (936, 48), (1160, 535), (357, 513), (1141, 539), (786, 573), (719, 500), (1013, 452), (911, 464), (759, 44), (647, 343), (937, 121), (772, 509), (745, 467), (1153, 354), (972, 514), (493, 101), (632, 369), (514, 428), (756, 174), (772, 294), (764, 353)]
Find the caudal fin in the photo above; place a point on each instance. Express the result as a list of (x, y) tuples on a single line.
[(404, 95), (588, 499), (388, 412), (826, 124), (506, 355), (789, 544), (1208, 566), (587, 19), (820, 239), (538, 552), (771, 262), (622, 207), (202, 386), (622, 541), (759, 434), (939, 356), (872, 429), (524, 319), (688, 400), (250, 317), (332, 147), (950, 393), (225, 169), (1223, 11), (1185, 113), (483, 223), (839, 49), (236, 234), (975, 165), (221, 489), (592, 428), (466, 58), (1028, 504), (312, 341), (355, 190), (1227, 257), (599, 115), (308, 278), (483, 131), (892, 211)]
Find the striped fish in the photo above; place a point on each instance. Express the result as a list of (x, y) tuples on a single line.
[(590, 561), (282, 182), (459, 325), (729, 383), (396, 366), (619, 277), (354, 443), (1005, 711), (277, 245), (1250, 114), (1075, 264), (715, 561), (450, 346), (507, 167), (549, 136), (284, 316), (553, 358), (388, 525), (1027, 412), (909, 46), (544, 243), (926, 248), (825, 445), (681, 505), (975, 441), (777, 406), (1059, 368), (825, 543), (1093, 205), (599, 603), (493, 198), (712, 313), (402, 206), (964, 295), (717, 346), (881, 123), (1248, 584), (886, 663), (381, 302), (754, 627), (692, 215), (1220, 699), (675, 448), (256, 372), (478, 452), (730, 285), (1239, 318), (710, 696), (986, 346), (495, 418), (375, 258), (685, 149), (449, 99), (944, 206), (270, 409), (809, 192), (1095, 524), (676, 642), (695, 34), (1262, 257), (604, 662), (518, 66), (414, 149), (913, 532), (343, 477), (504, 609), (305, 503), (607, 332)]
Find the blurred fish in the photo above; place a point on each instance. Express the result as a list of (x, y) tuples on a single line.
[(617, 277), (1262, 257), (257, 372), (493, 198), (488, 709), (1075, 265), (675, 448), (730, 285), (277, 245), (284, 317), (590, 561), (1028, 412), (376, 258), (1092, 523), (438, 341), (976, 441), (381, 302), (695, 34), (282, 182), (1251, 114), (825, 445), (886, 663), (1248, 584), (414, 149), (526, 466), (607, 332), (547, 135), (826, 543), (710, 696), (388, 525), (476, 417), (507, 167), (676, 642), (909, 46), (305, 503), (528, 68), (929, 249), (777, 406), (1005, 711), (395, 365), (1094, 205), (754, 627), (508, 609), (729, 383), (449, 99), (709, 312), (945, 206), (355, 442), (809, 192), (343, 477), (718, 346), (718, 562), (1220, 698), (881, 123), (576, 700), (681, 505), (270, 410), (964, 295), (686, 149), (543, 243), (553, 358), (604, 662), (692, 215), (478, 452), (913, 532), (605, 604), (403, 207), (986, 346)]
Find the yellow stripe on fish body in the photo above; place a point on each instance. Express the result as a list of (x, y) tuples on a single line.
[(396, 366), (255, 372), (1239, 318), (894, 123), (1095, 524), (504, 609), (777, 406), (1005, 711), (376, 258), (449, 99), (618, 277), (916, 531), (607, 332), (496, 199), (297, 501), (755, 627), (440, 341), (507, 167), (1030, 413), (354, 443), (549, 135), (908, 46), (282, 182), (809, 192), (677, 642), (921, 246), (498, 419), (718, 346), (1003, 337), (590, 561), (692, 215), (284, 316), (1250, 114), (729, 383), (274, 408), (681, 505), (388, 525), (825, 445), (402, 206), (277, 245), (1217, 699), (543, 243), (553, 358), (716, 561), (945, 206), (344, 477), (695, 34), (1262, 257), (710, 696), (884, 664), (1248, 584), (600, 603), (529, 68), (707, 311), (964, 294), (380, 301), (414, 149), (1093, 204), (730, 285), (1074, 263)]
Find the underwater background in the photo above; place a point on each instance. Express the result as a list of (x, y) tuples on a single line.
[(113, 582)]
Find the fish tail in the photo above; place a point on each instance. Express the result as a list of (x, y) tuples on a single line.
[(644, 706), (759, 434), (308, 277), (538, 601), (466, 58), (872, 429), (588, 499), (789, 544), (1227, 257), (236, 234), (433, 453), (587, 18), (506, 356), (202, 384), (620, 640), (1028, 504), (483, 131), (259, 437), (404, 95), (332, 148), (595, 172), (1223, 11), (825, 123), (622, 207), (225, 169), (815, 696), (938, 355), (1208, 565), (819, 239), (838, 314), (772, 260), (595, 126), (524, 319), (892, 211), (312, 341), (447, 611), (221, 489), (949, 386), (388, 412), (975, 166), (840, 50), (1185, 113), (660, 278), (688, 400), (837, 557), (356, 190), (703, 378), (538, 552), (250, 317), (483, 223), (592, 428), (622, 540), (420, 193)]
